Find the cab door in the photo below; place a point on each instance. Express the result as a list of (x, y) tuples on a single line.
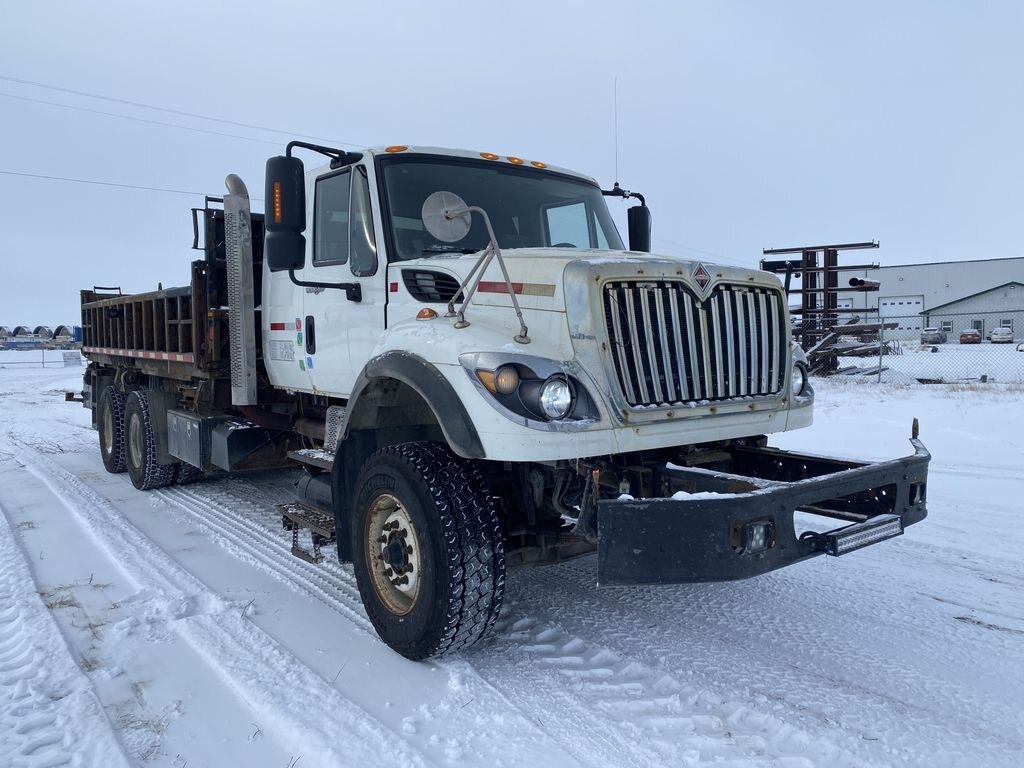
[(339, 331)]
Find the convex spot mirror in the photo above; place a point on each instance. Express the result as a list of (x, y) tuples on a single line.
[(438, 220), (285, 214)]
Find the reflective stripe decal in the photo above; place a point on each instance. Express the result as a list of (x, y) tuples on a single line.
[(178, 357), (524, 289)]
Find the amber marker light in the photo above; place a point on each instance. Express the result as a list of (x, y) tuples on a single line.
[(538, 164), (487, 379), (515, 160), (277, 202), (396, 148), (426, 314), (488, 156)]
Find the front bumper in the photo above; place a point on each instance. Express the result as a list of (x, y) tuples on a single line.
[(739, 523)]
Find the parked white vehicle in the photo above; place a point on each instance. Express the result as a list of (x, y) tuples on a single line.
[(1001, 336)]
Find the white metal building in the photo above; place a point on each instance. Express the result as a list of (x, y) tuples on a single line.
[(950, 295)]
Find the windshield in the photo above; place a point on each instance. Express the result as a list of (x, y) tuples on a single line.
[(528, 208)]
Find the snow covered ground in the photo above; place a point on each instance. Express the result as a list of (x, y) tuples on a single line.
[(173, 628)]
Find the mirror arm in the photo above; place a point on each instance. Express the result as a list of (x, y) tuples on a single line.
[(353, 291), (617, 191), (339, 157), (492, 251)]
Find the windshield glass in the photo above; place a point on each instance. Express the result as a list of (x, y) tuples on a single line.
[(528, 208)]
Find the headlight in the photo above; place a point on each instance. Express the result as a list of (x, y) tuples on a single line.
[(799, 379), (556, 398)]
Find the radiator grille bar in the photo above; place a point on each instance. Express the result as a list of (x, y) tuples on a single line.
[(670, 347)]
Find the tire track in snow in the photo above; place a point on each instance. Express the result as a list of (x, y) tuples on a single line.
[(49, 714), (256, 541), (611, 709), (249, 662), (840, 671)]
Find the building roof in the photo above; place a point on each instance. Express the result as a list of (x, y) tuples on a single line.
[(971, 296), (944, 263)]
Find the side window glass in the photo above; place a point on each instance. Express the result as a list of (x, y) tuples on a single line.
[(567, 225), (364, 246), (330, 238)]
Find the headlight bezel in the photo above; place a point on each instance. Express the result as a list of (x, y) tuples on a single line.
[(799, 381), (534, 375)]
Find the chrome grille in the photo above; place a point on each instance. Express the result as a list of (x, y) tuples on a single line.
[(668, 346)]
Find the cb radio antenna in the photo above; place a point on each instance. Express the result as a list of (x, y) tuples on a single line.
[(615, 102)]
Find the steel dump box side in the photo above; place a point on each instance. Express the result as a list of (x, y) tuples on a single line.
[(158, 331)]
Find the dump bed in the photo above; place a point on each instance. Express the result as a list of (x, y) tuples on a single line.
[(179, 333)]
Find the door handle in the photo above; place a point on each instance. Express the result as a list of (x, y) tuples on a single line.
[(310, 335)]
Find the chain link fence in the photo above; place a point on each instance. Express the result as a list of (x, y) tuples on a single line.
[(41, 358), (940, 348)]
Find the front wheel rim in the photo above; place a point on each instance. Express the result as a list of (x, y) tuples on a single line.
[(393, 554)]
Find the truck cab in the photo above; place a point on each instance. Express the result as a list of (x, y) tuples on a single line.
[(367, 279)]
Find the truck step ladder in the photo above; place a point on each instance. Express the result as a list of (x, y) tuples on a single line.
[(313, 457), (295, 516)]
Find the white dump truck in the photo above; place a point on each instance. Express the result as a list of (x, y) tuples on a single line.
[(473, 372)]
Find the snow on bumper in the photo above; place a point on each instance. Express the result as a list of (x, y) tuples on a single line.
[(722, 526)]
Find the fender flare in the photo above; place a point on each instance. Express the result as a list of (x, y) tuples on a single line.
[(355, 446), (433, 387)]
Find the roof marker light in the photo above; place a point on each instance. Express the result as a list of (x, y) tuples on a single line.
[(515, 160), (488, 156), (538, 164), (396, 148)]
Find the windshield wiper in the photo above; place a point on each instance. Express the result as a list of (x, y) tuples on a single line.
[(448, 249)]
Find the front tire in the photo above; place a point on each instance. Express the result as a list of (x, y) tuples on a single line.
[(140, 445), (428, 550), (110, 419)]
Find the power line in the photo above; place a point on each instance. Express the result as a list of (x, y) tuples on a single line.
[(196, 115), (167, 190), (138, 119), (712, 254)]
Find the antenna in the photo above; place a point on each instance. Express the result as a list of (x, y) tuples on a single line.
[(615, 101)]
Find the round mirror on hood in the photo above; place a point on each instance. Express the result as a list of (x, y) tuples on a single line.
[(439, 223)]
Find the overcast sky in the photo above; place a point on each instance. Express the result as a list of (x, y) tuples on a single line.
[(745, 124)]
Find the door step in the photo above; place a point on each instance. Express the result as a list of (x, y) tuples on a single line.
[(295, 516), (314, 457)]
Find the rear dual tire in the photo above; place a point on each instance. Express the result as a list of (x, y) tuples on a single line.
[(141, 445), (114, 425), (110, 419)]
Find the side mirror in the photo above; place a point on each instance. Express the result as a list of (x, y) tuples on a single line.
[(284, 251), (285, 214), (638, 219)]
